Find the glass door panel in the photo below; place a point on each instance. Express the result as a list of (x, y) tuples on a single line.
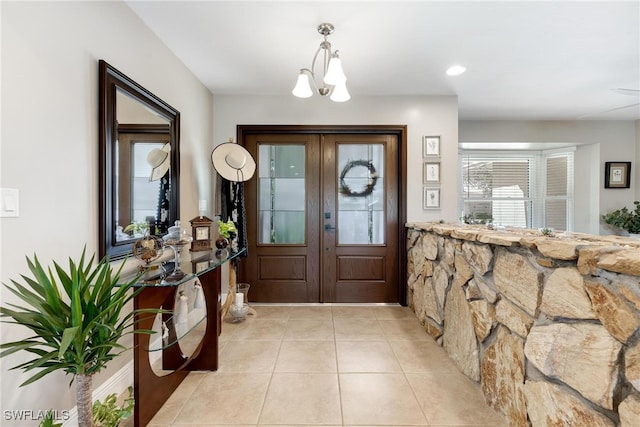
[(361, 216), (281, 194)]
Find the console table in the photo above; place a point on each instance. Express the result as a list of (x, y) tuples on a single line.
[(150, 390)]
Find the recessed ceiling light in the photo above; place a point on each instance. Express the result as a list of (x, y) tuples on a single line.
[(456, 70)]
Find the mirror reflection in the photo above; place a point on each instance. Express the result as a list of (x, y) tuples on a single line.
[(139, 160)]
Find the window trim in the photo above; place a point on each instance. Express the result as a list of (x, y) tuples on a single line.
[(537, 179)]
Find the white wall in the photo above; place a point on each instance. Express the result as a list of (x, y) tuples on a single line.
[(612, 140), (423, 115), (49, 145)]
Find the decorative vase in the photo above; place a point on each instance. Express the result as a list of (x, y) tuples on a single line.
[(238, 312), (222, 242), (243, 288), (147, 249)]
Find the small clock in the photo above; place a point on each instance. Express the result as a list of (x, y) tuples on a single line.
[(201, 232)]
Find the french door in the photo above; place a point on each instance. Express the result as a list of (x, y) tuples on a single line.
[(322, 218)]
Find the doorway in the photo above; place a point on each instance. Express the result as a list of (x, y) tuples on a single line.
[(325, 217)]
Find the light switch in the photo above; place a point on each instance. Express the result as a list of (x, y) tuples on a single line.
[(9, 202)]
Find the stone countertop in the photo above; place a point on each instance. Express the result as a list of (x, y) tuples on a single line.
[(618, 254)]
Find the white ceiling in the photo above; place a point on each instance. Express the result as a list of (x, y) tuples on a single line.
[(525, 60)]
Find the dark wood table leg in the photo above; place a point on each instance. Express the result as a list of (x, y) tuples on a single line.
[(150, 390)]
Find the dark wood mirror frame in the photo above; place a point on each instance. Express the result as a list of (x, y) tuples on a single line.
[(110, 81)]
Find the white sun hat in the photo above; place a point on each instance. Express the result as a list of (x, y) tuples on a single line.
[(159, 160), (233, 162)]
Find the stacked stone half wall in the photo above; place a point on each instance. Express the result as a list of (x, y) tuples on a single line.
[(547, 325)]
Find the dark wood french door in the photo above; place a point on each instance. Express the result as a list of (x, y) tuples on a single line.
[(323, 215)]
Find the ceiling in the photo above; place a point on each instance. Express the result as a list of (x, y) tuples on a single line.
[(535, 60)]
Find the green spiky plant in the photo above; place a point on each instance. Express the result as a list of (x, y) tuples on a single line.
[(77, 320)]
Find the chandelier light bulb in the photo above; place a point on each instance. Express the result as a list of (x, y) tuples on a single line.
[(303, 88), (335, 74), (340, 93)]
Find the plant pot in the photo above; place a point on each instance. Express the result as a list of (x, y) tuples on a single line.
[(222, 242)]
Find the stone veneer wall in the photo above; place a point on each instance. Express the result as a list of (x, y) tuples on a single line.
[(547, 325)]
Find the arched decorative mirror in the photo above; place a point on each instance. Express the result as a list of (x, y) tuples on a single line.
[(139, 163)]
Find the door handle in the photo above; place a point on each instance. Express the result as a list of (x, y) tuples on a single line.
[(328, 227)]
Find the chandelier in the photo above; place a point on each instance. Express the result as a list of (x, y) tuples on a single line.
[(333, 81)]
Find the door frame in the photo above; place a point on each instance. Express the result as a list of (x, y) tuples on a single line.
[(398, 130)]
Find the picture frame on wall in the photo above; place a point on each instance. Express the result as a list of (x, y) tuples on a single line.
[(431, 198), (431, 146), (431, 172), (617, 174)]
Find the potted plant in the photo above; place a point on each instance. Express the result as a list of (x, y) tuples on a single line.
[(109, 413), (226, 230), (77, 320), (625, 219)]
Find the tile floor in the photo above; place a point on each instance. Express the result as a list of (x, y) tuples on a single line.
[(328, 366)]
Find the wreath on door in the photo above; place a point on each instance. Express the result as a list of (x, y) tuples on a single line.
[(368, 189)]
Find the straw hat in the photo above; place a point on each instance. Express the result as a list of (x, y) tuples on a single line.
[(159, 160), (233, 162)]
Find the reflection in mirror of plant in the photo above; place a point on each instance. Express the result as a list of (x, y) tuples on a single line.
[(138, 227)]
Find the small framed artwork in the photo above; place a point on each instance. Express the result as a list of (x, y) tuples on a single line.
[(431, 198), (431, 172), (431, 146), (617, 174)]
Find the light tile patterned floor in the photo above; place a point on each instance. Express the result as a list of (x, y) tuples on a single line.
[(328, 366)]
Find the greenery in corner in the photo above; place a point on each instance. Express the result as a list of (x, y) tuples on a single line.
[(77, 320), (625, 219), (109, 413)]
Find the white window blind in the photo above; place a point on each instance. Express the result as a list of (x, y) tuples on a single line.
[(558, 199), (526, 190), (497, 189)]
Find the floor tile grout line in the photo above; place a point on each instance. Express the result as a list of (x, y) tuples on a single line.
[(184, 403), (389, 336), (275, 362), (404, 374), (335, 349)]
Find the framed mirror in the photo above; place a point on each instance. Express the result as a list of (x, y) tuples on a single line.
[(139, 161)]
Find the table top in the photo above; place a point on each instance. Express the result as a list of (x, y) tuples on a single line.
[(192, 264)]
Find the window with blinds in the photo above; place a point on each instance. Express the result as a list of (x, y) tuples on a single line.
[(558, 199), (529, 191)]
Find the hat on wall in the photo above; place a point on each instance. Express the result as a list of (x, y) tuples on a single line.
[(233, 162), (159, 160)]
